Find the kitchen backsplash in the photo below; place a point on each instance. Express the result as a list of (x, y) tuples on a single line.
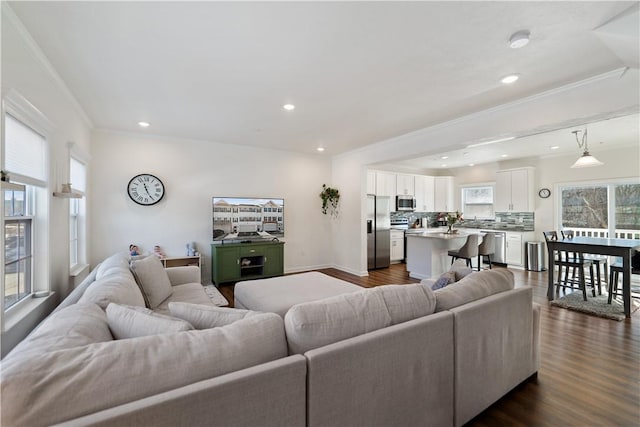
[(517, 221)]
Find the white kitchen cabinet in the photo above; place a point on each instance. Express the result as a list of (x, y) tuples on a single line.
[(397, 246), (424, 186), (386, 185), (371, 182), (514, 190), (514, 249), (405, 184), (443, 194)]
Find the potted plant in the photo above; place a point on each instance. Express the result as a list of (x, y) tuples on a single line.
[(330, 198), (452, 219)]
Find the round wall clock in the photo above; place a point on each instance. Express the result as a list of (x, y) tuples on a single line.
[(544, 193), (145, 189)]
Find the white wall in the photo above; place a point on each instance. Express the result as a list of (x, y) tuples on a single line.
[(25, 71), (193, 172)]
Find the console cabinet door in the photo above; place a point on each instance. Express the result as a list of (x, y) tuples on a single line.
[(273, 260), (225, 264)]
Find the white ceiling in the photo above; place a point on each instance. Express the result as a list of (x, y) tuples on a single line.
[(358, 72)]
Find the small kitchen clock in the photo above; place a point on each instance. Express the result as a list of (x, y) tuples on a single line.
[(145, 189), (544, 193)]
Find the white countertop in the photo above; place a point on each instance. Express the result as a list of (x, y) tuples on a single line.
[(441, 234)]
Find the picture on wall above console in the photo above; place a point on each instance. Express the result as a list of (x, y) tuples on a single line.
[(247, 219)]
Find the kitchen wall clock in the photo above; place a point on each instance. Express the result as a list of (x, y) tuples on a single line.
[(145, 189), (544, 193)]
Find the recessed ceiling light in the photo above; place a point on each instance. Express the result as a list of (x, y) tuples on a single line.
[(289, 107), (555, 147), (510, 78), (144, 124), (444, 157), (444, 165), (504, 155), (320, 149), (472, 164), (519, 39)]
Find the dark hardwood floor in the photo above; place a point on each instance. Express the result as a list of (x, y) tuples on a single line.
[(590, 367)]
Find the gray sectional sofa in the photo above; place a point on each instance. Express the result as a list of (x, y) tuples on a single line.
[(393, 355)]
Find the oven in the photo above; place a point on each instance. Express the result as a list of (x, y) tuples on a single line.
[(405, 203)]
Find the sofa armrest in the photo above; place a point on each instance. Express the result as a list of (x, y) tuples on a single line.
[(184, 274)]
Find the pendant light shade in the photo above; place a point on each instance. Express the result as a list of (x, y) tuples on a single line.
[(586, 160)]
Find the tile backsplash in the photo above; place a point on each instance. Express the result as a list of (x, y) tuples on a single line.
[(517, 221)]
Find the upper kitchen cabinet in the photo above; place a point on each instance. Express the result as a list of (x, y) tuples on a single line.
[(371, 182), (424, 186), (443, 194), (386, 184), (514, 190), (405, 185)]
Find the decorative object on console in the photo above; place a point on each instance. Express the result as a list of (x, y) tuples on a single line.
[(330, 199), (67, 192), (191, 249), (586, 160), (145, 189), (133, 250), (158, 252)]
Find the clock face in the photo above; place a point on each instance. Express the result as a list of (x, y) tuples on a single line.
[(544, 193), (145, 189)]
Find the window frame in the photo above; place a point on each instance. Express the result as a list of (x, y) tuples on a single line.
[(38, 194), (468, 216), (78, 214)]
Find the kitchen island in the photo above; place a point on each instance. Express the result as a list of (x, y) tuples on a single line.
[(427, 256)]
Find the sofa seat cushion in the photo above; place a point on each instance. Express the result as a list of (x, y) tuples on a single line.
[(474, 287), (317, 323), (189, 292), (67, 384), (152, 279), (132, 322), (118, 287), (208, 316), (74, 326), (278, 294)]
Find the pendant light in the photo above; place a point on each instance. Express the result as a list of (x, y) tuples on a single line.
[(586, 160)]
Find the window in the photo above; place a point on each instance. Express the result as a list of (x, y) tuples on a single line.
[(477, 202), (601, 210), (77, 213), (24, 211)]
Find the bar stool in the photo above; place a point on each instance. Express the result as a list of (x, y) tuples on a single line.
[(486, 248), (468, 251), (615, 270), (564, 260), (595, 259)]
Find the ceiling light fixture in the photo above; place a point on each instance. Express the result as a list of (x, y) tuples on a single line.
[(289, 107), (510, 78), (586, 160), (519, 39), (320, 149), (472, 164), (554, 147), (144, 124), (444, 157), (504, 155), (493, 141)]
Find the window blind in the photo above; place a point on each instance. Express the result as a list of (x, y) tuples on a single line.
[(25, 150)]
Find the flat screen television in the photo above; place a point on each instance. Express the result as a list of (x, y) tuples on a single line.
[(244, 218)]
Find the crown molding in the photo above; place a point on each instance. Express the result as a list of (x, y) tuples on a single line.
[(39, 55)]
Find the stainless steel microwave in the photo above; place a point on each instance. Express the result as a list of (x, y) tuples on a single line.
[(405, 203)]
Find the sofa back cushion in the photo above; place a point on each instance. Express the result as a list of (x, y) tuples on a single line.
[(317, 323), (118, 287), (86, 379), (473, 287), (152, 279), (74, 326)]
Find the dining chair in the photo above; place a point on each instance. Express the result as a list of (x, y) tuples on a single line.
[(486, 249), (615, 271), (564, 261), (468, 251), (597, 260)]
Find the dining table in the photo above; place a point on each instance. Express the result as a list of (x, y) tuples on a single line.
[(622, 248)]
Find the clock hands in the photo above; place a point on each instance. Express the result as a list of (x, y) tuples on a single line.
[(147, 190)]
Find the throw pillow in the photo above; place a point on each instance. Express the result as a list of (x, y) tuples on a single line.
[(152, 279), (444, 280), (206, 316), (131, 322)]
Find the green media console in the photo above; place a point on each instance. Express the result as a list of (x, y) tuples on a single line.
[(233, 262)]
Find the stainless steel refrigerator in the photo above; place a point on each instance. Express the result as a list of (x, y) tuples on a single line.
[(378, 231)]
